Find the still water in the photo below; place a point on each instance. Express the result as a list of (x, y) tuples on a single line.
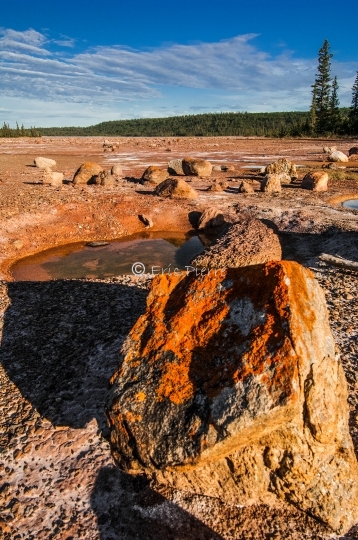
[(75, 261), (352, 203)]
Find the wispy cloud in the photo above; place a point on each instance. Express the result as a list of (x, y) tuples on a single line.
[(33, 67)]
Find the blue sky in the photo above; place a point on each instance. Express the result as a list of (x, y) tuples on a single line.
[(83, 62)]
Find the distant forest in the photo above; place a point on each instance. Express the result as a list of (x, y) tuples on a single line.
[(278, 124)]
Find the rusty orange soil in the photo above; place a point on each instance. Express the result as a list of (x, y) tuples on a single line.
[(34, 217)]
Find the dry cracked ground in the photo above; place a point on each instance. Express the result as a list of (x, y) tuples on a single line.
[(60, 339)]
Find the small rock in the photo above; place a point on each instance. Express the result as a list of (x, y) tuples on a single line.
[(197, 167), (210, 218), (175, 166), (117, 170), (87, 173), (18, 244), (54, 179), (154, 175), (271, 183), (338, 156), (315, 181), (175, 188), (44, 163), (245, 187)]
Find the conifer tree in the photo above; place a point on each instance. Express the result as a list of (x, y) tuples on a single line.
[(321, 92), (335, 117), (353, 112)]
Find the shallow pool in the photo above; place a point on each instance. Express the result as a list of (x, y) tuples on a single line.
[(152, 251), (352, 203)]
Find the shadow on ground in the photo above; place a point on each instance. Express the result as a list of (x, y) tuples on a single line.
[(61, 342), (127, 508)]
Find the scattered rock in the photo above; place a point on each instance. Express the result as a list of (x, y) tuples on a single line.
[(54, 179), (218, 185), (44, 163), (117, 170), (229, 387), (87, 173), (337, 156), (329, 149), (175, 166), (353, 151), (154, 175), (108, 180), (315, 181), (282, 165), (353, 157), (271, 183), (18, 244), (211, 218), (196, 167), (245, 187), (98, 243), (175, 188), (217, 168), (246, 243), (146, 221)]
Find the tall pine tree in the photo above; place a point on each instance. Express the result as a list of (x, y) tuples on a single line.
[(322, 90), (353, 112), (335, 115)]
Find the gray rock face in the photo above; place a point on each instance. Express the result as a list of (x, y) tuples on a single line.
[(44, 163), (229, 387), (175, 166)]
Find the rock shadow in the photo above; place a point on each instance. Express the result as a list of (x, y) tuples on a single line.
[(127, 508), (61, 342)]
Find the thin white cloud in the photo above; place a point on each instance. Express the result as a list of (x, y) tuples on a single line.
[(106, 76)]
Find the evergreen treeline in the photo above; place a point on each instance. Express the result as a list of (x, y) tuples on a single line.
[(325, 118), (7, 131), (281, 124)]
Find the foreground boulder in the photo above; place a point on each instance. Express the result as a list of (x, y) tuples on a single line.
[(338, 156), (196, 167), (282, 165), (86, 173), (175, 188), (316, 181), (229, 387), (44, 163), (154, 175), (246, 243)]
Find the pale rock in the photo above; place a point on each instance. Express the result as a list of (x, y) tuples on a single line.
[(52, 178), (338, 156), (282, 165), (117, 170), (44, 163), (175, 166)]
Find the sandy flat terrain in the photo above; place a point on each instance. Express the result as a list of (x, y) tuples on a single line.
[(60, 339)]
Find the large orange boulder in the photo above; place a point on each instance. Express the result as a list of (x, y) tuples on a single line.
[(155, 175), (86, 173), (315, 181), (229, 386)]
